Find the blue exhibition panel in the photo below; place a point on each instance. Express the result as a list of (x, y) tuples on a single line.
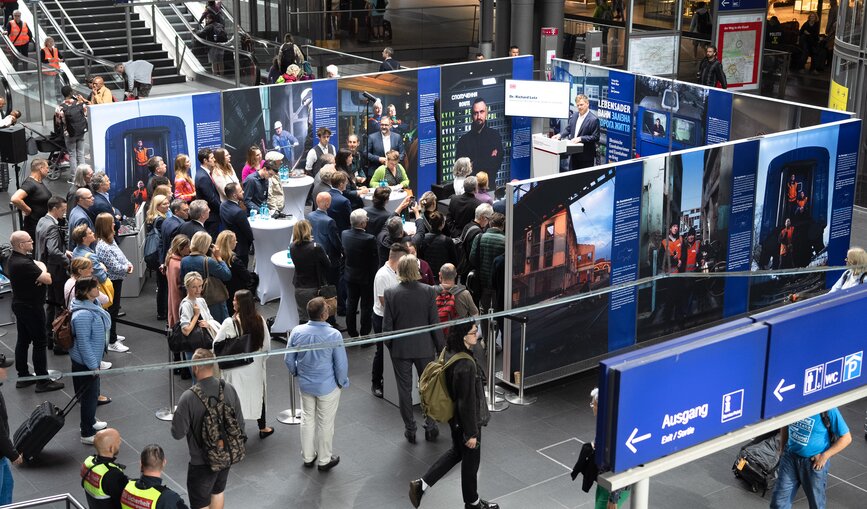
[(685, 395), (815, 353)]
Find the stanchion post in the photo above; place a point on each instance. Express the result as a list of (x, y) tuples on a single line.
[(520, 399), (291, 415), (168, 413), (496, 403)]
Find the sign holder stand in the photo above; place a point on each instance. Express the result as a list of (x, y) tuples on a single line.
[(167, 413), (291, 415), (496, 402), (520, 399)]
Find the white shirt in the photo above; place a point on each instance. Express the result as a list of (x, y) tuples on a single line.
[(386, 144), (579, 123), (385, 278)]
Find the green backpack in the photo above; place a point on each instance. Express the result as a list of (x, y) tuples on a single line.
[(435, 400)]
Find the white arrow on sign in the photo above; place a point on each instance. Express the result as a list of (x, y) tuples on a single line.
[(778, 392), (634, 439), (724, 3)]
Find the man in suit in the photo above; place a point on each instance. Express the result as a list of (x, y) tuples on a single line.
[(359, 249), (340, 207), (482, 144), (206, 190), (180, 213), (80, 214), (199, 212), (235, 219), (50, 250), (100, 185), (583, 127), (388, 62), (326, 234), (380, 143), (407, 305), (462, 207)]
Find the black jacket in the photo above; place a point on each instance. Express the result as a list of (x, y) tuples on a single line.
[(191, 228), (235, 219), (465, 384), (360, 253), (169, 229), (710, 72), (311, 264), (207, 190), (376, 219), (437, 250), (462, 210)]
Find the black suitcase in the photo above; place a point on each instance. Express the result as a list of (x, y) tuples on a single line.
[(757, 462), (35, 433)]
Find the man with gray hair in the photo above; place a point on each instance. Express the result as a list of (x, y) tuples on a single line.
[(359, 248), (468, 235), (462, 208), (79, 214), (322, 183), (180, 213), (199, 213)]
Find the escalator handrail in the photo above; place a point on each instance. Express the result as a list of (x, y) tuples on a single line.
[(258, 40), (14, 51), (307, 47), (228, 45), (71, 23)]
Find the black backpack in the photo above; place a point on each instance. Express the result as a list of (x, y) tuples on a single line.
[(74, 119), (218, 33), (704, 25)]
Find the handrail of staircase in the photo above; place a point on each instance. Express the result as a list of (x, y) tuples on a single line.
[(228, 45), (305, 48), (15, 53), (258, 40), (65, 497), (74, 26)]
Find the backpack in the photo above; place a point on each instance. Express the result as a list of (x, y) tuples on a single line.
[(436, 402), (218, 33), (74, 119), (704, 24), (446, 308), (290, 47), (221, 437), (465, 247), (152, 248)]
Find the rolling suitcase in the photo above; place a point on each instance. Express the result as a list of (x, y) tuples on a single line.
[(757, 462), (35, 433)]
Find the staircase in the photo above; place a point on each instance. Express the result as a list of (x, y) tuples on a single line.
[(102, 24), (198, 50)]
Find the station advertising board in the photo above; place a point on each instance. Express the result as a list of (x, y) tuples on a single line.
[(808, 361), (682, 396)]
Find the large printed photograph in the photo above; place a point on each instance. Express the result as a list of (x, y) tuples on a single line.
[(592, 82), (563, 230), (793, 204), (668, 114), (685, 203)]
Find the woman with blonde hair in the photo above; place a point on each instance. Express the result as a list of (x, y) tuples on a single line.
[(241, 277), (311, 266), (185, 189), (856, 259), (194, 310), (223, 172), (482, 193), (199, 261), (117, 267), (156, 215)]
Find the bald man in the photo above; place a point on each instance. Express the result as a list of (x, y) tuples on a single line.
[(102, 476), (29, 281), (326, 234)]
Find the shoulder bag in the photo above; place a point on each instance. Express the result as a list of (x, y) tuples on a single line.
[(241, 343), (198, 338), (213, 290)]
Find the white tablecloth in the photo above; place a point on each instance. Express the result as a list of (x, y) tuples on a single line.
[(270, 236), (287, 314), (393, 200), (295, 192)]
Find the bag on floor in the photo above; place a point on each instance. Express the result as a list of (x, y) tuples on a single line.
[(436, 402), (35, 433), (757, 462)]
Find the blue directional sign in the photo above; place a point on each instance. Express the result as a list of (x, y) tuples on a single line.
[(682, 396), (815, 354), (741, 5)]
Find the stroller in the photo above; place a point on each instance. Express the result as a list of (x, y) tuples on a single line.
[(51, 144)]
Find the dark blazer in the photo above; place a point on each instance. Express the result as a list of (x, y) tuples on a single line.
[(320, 187), (589, 136), (362, 259), (191, 228), (48, 244), (407, 305), (340, 209), (168, 231), (325, 234), (376, 219), (438, 250), (375, 148), (102, 204), (462, 211), (78, 216), (206, 190), (389, 64), (235, 219)]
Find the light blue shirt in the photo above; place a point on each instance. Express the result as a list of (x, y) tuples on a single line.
[(809, 437), (322, 370)]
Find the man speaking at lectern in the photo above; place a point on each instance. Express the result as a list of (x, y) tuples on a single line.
[(583, 127)]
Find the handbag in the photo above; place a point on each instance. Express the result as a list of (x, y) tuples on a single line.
[(213, 290), (62, 327), (241, 343), (198, 338)]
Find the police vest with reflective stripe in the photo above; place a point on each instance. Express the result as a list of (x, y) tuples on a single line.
[(134, 497), (92, 474)]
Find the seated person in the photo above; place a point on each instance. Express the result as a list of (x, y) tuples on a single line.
[(392, 172)]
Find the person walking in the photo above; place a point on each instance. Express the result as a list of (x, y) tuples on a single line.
[(19, 35), (710, 71), (322, 374), (465, 386)]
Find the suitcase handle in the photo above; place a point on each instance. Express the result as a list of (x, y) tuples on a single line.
[(77, 397)]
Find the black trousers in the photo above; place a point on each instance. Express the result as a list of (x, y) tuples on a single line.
[(376, 372), (114, 308), (403, 376), (30, 321), (354, 292), (459, 453), (162, 294)]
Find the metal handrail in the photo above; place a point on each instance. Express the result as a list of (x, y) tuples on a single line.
[(222, 45), (65, 497), (14, 51), (258, 40), (389, 10), (306, 49), (74, 26), (69, 46)]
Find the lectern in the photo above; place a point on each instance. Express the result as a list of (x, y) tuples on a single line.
[(547, 152)]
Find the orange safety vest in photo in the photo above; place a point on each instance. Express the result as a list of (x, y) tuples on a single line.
[(692, 255), (792, 188), (673, 248), (20, 36), (786, 240), (53, 57), (141, 155)]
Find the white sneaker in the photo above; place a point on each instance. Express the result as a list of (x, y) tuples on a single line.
[(99, 425), (121, 338), (118, 347), (104, 365), (87, 440)]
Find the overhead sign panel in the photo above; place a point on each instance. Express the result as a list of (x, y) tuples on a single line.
[(741, 5), (682, 396)]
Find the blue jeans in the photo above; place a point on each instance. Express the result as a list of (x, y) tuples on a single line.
[(6, 482), (795, 471)]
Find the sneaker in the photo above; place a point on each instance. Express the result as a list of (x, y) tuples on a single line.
[(87, 440), (49, 386), (118, 347), (100, 425), (104, 365), (121, 338)]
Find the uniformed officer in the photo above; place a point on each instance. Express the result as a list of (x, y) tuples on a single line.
[(102, 477), (148, 492)]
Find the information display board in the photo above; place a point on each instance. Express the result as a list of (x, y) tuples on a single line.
[(540, 99), (653, 54), (739, 41)]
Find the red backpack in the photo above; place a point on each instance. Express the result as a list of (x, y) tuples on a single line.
[(446, 308)]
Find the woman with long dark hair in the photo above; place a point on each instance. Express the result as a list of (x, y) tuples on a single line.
[(465, 385), (249, 381), (343, 162), (311, 266)]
